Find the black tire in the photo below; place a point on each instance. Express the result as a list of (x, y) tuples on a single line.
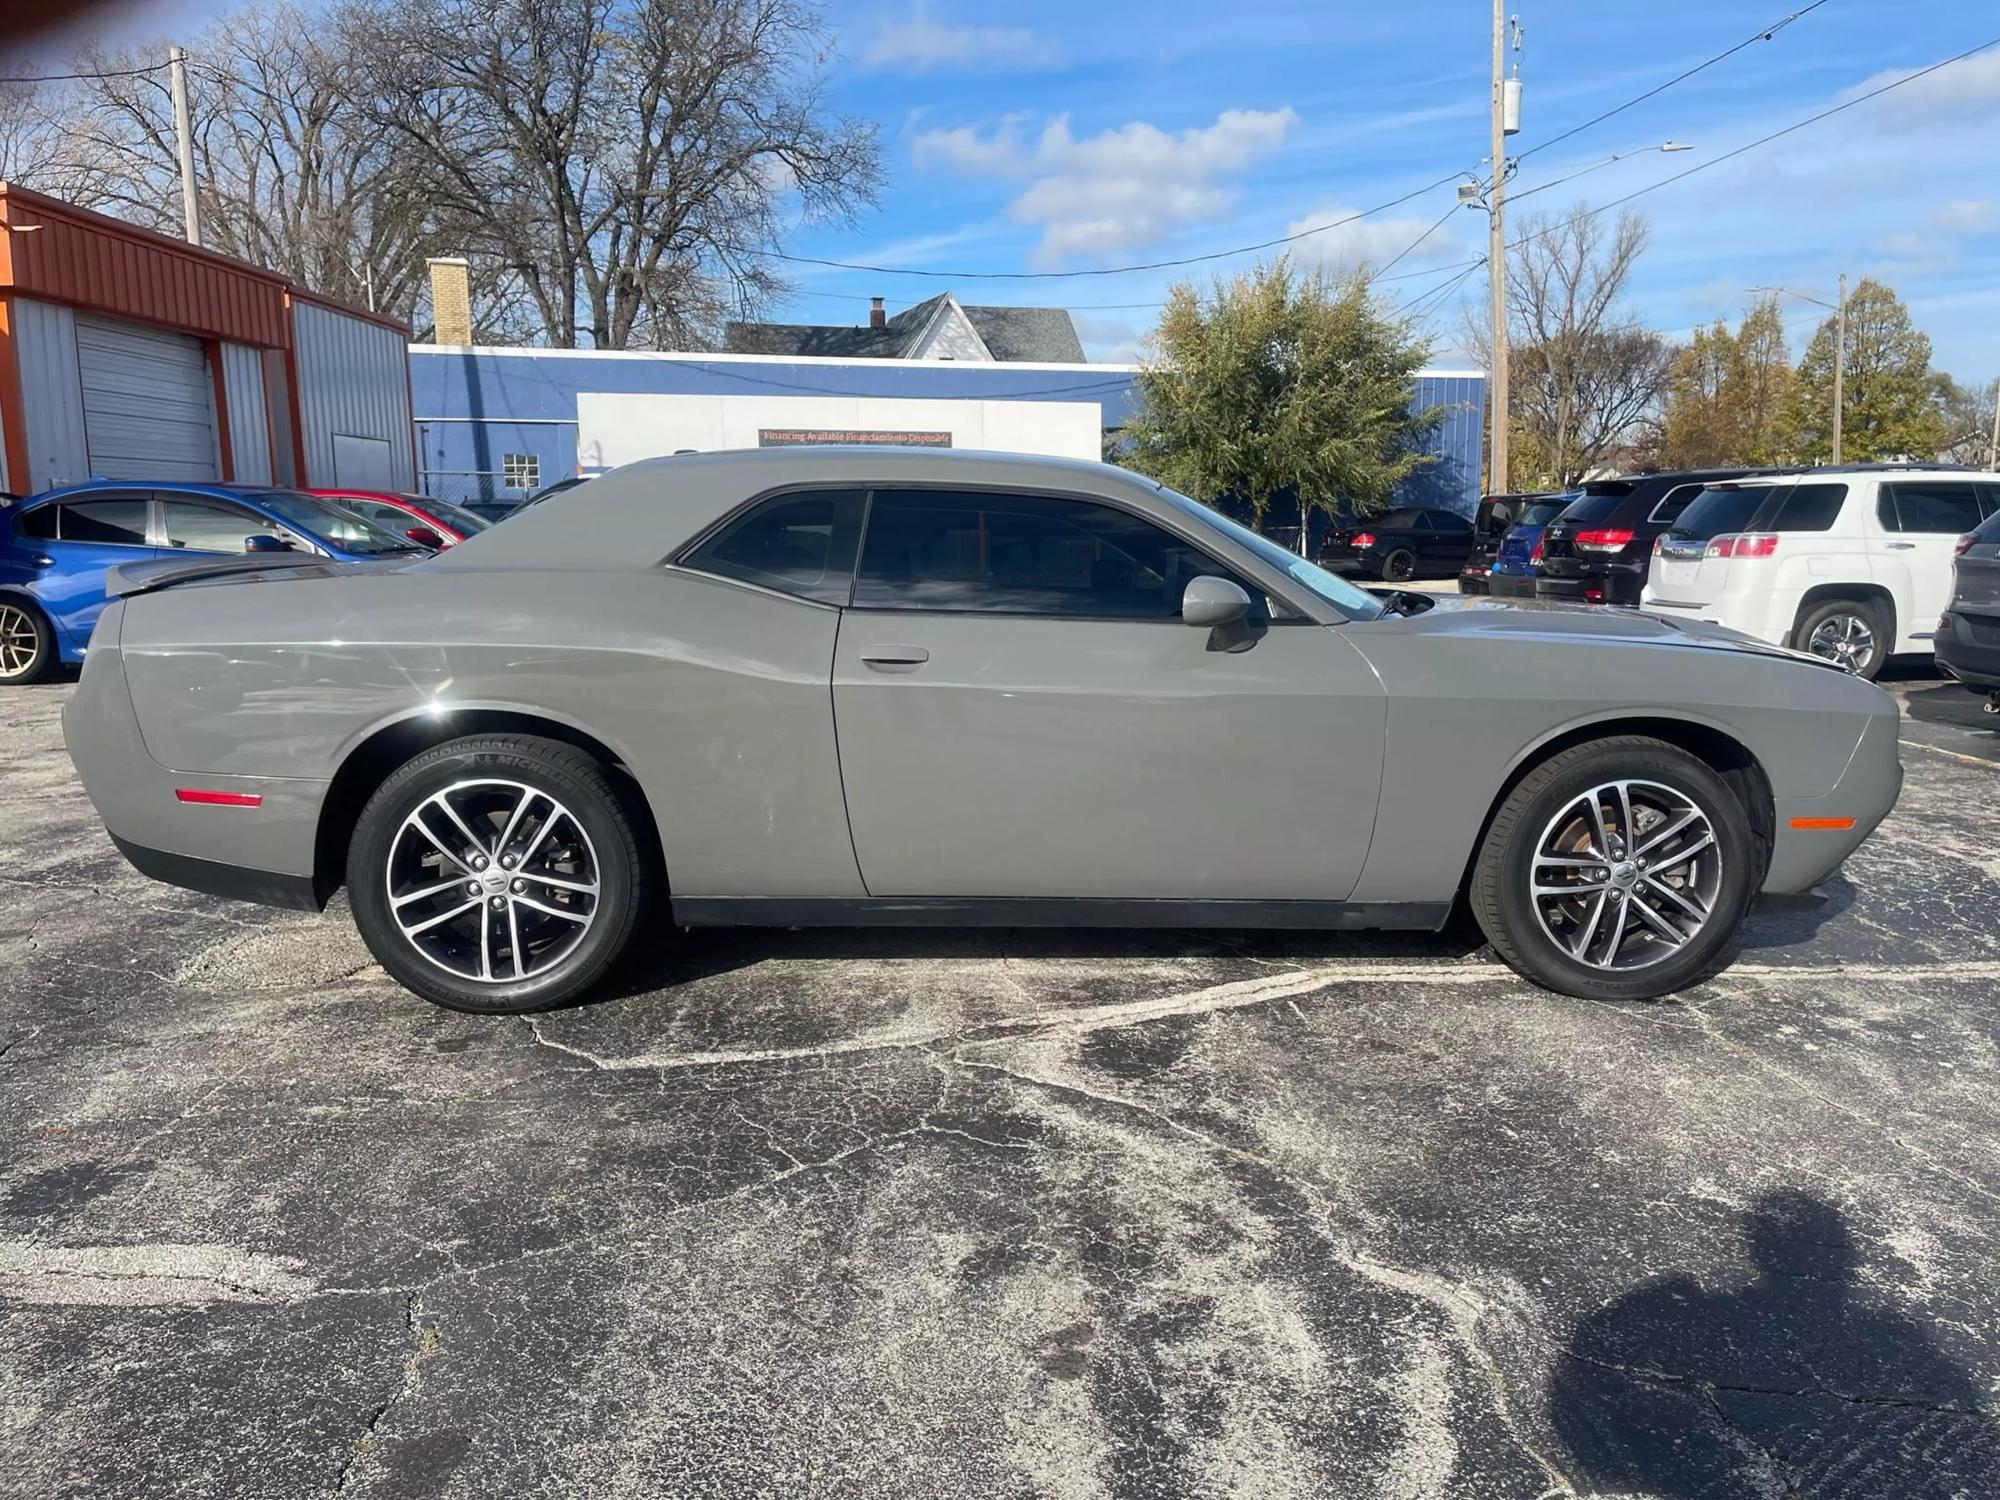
[(1400, 566), (552, 770), (1872, 616), (1504, 907), (24, 627)]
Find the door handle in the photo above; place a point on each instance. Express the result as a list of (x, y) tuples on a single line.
[(894, 658), (1902, 546)]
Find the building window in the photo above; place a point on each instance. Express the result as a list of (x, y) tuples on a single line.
[(521, 471)]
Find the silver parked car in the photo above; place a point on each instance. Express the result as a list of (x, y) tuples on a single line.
[(847, 686)]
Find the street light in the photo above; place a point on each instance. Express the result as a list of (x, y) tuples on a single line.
[(1839, 308)]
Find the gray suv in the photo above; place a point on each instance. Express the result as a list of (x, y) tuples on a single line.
[(1968, 637)]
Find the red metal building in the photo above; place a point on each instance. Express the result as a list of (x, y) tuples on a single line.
[(126, 354)]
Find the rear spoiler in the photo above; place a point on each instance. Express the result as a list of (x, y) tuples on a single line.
[(128, 579)]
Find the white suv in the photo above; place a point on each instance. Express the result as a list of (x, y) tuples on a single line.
[(1851, 564)]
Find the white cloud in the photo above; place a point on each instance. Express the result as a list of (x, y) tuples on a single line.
[(1126, 187), (1962, 216), (922, 45), (1962, 91), (1372, 242)]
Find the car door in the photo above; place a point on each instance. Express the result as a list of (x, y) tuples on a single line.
[(1022, 713), (1921, 521), (1449, 543), (92, 536)]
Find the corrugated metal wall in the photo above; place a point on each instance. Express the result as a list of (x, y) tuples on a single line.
[(249, 424), (52, 395), (353, 382), (476, 406)]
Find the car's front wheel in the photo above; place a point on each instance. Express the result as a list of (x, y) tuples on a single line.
[(1616, 870), (27, 643), (497, 873)]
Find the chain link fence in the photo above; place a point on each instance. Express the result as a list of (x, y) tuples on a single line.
[(470, 486)]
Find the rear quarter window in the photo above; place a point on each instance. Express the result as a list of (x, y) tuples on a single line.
[(1715, 512), (1809, 507), (39, 523)]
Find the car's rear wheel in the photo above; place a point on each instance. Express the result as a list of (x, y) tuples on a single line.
[(499, 873), (27, 643), (1850, 633), (1616, 870), (1399, 566)]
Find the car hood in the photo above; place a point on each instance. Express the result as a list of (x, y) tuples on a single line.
[(1470, 614)]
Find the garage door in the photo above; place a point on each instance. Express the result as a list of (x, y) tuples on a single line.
[(148, 402)]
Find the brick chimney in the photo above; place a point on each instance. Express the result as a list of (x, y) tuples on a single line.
[(451, 300), (876, 317)]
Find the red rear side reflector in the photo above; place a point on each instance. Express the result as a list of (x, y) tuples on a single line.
[(1822, 822), (217, 799), (1603, 539)]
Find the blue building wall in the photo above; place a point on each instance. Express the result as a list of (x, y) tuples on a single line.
[(474, 407)]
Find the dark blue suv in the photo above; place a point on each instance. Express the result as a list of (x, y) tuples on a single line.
[(56, 547)]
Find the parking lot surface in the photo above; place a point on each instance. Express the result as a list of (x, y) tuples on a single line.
[(1002, 1214)]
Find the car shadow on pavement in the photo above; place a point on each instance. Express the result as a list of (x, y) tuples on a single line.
[(1805, 1381), (706, 952), (1785, 921)]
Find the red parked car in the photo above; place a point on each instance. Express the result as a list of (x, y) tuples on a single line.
[(425, 521)]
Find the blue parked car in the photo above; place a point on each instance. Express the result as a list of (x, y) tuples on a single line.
[(1518, 560), (56, 547)]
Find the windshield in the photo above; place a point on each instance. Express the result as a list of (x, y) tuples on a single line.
[(1716, 511), (1341, 594), (456, 516), (329, 523)]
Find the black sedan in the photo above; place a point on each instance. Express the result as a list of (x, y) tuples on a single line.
[(1399, 545)]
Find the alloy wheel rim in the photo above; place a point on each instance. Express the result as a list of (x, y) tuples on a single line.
[(1845, 640), (493, 881), (20, 643), (1626, 875)]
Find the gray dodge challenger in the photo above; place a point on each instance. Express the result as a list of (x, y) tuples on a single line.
[(852, 686)]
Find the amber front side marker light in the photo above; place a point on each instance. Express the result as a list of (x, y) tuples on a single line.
[(1822, 822)]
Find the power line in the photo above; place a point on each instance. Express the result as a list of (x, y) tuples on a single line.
[(1420, 238), (78, 77), (1762, 140), (1152, 265), (1762, 36)]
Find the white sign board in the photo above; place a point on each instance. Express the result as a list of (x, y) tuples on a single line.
[(618, 428)]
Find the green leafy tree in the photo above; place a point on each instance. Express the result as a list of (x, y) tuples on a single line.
[(1277, 384), (1727, 398), (1887, 410)]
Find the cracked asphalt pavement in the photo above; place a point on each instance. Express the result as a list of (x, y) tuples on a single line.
[(989, 1214)]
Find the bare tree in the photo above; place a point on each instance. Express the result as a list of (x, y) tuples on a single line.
[(1585, 376), (632, 161), (39, 148)]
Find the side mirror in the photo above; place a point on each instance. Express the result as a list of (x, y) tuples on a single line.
[(423, 536), (1213, 603), (263, 541)]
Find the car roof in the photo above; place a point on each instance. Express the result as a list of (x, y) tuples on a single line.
[(220, 489), (643, 512)]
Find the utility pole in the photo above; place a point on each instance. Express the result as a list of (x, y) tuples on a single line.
[(1839, 363), (184, 143), (1993, 443), (1496, 251)]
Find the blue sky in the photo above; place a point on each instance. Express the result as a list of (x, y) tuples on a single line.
[(1039, 136)]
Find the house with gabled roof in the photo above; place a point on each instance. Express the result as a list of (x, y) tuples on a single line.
[(939, 328)]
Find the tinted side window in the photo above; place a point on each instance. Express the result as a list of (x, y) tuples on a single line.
[(122, 522), (1810, 507), (1421, 523), (210, 528), (396, 520), (40, 524), (1023, 555), (1673, 503), (1930, 507), (801, 543), (1444, 520)]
